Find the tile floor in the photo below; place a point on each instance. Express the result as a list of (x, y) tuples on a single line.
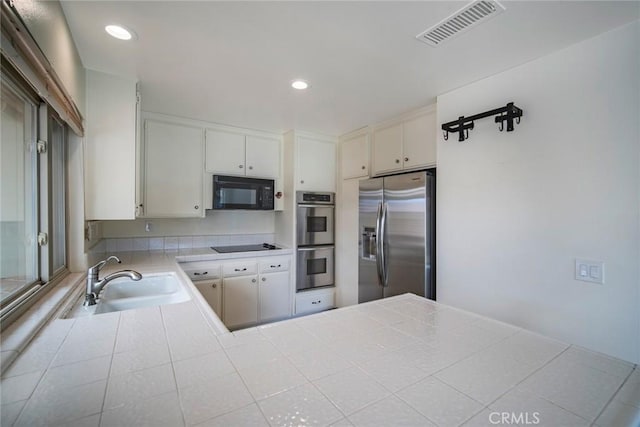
[(403, 361)]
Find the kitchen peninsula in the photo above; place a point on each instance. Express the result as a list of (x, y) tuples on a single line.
[(399, 361)]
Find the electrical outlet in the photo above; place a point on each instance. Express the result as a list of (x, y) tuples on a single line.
[(589, 271)]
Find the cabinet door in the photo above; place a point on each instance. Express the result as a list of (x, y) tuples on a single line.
[(387, 149), (275, 296), (355, 157), (419, 141), (263, 157), (111, 157), (211, 290), (240, 301), (316, 165), (173, 170), (224, 152)]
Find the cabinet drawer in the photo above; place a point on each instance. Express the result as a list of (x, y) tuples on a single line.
[(201, 271), (311, 302), (239, 268), (274, 264)]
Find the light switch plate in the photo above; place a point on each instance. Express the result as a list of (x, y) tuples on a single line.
[(589, 271)]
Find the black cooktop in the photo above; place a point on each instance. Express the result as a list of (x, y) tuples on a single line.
[(244, 248)]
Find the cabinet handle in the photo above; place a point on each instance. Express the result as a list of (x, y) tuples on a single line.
[(201, 274), (214, 285), (397, 160), (363, 168), (237, 269), (302, 181), (196, 207), (406, 159), (264, 279), (276, 266), (250, 167), (240, 166), (253, 280), (316, 302)]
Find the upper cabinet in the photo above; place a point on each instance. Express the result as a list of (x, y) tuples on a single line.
[(173, 170), (316, 164), (409, 143), (354, 155), (111, 153), (231, 153)]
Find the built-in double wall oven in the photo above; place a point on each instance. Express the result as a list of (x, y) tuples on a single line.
[(315, 238)]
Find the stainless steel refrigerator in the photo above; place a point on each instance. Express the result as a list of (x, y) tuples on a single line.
[(397, 236)]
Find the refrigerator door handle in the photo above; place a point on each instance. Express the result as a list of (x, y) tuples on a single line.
[(382, 239), (379, 249)]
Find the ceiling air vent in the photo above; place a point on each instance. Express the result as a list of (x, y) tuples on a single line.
[(468, 17)]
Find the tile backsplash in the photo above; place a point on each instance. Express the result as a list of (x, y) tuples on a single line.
[(171, 243)]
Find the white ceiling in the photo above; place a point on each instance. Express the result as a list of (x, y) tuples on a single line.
[(232, 62)]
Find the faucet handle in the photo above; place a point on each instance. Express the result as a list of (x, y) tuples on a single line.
[(102, 263)]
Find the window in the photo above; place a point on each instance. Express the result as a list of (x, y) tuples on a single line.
[(32, 193), (18, 194)]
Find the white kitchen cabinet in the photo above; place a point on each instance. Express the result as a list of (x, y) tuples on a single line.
[(256, 291), (262, 157), (111, 150), (314, 301), (238, 154), (240, 301), (387, 149), (211, 290), (354, 156), (224, 152), (316, 164), (419, 141), (173, 178), (405, 145), (274, 296)]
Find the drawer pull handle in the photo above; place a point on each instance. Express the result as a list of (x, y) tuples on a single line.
[(238, 269), (264, 279), (204, 273), (275, 266), (253, 280), (214, 285), (316, 302)]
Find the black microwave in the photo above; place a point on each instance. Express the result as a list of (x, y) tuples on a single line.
[(234, 192)]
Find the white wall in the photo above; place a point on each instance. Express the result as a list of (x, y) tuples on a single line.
[(516, 209), (48, 26), (77, 261), (231, 222)]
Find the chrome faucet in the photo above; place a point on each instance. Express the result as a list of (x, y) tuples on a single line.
[(95, 285)]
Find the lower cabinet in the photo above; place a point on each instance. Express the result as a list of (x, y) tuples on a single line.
[(251, 291), (314, 301), (211, 290), (274, 296), (240, 301)]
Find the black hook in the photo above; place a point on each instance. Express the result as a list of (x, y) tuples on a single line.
[(501, 123), (445, 134)]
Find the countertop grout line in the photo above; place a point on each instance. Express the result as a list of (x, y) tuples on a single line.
[(173, 368)]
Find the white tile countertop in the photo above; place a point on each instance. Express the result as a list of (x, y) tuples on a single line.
[(400, 361)]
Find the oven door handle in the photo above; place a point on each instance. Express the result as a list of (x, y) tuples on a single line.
[(314, 248), (318, 206)]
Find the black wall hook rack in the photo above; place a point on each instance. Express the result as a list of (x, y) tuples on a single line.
[(509, 113)]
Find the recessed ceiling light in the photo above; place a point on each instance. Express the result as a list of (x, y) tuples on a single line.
[(299, 84), (119, 32)]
